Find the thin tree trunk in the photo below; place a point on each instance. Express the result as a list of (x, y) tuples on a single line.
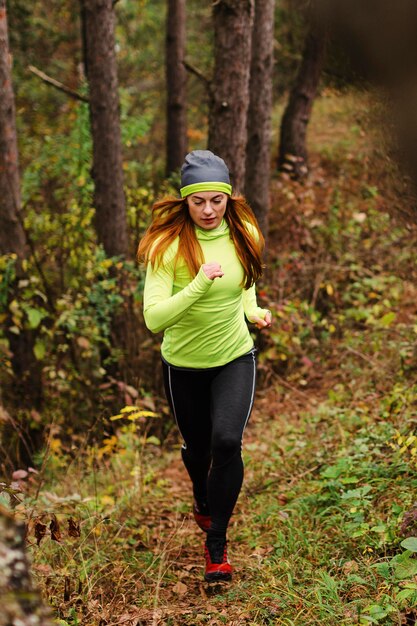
[(229, 97), (101, 67), (98, 33), (27, 373), (12, 236), (293, 155), (83, 22), (257, 177), (21, 604), (176, 78)]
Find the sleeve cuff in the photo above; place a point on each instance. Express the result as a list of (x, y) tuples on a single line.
[(258, 312), (202, 281)]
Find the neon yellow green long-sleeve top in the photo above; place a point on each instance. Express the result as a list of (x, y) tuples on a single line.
[(203, 320)]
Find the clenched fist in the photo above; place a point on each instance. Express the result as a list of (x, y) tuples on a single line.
[(213, 270)]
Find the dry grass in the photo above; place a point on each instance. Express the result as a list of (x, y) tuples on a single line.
[(342, 389)]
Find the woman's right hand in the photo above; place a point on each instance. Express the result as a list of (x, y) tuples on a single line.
[(213, 270)]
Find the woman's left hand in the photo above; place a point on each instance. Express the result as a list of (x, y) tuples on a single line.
[(262, 323)]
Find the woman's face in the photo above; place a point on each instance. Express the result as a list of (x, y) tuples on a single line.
[(207, 208)]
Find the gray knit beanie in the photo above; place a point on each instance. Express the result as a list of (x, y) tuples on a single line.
[(204, 171)]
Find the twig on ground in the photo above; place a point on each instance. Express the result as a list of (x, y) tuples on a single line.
[(302, 394), (367, 358), (203, 592)]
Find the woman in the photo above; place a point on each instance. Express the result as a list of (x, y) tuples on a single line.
[(203, 255)]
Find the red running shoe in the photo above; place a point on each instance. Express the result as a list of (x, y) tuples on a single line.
[(217, 564), (203, 521)]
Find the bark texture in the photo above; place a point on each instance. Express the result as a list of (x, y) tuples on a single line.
[(27, 383), (257, 175), (293, 155), (101, 68), (176, 79), (12, 236), (21, 605), (229, 97)]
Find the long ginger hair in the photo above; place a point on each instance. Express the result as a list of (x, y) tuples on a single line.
[(171, 219)]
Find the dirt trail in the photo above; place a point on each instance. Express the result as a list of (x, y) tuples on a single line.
[(181, 595)]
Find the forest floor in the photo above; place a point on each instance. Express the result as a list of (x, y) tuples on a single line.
[(323, 530)]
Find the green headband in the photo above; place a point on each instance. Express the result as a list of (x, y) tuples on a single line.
[(207, 186)]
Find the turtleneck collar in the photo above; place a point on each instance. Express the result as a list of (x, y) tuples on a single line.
[(214, 233)]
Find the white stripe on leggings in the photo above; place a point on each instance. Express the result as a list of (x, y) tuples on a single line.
[(184, 445), (253, 394)]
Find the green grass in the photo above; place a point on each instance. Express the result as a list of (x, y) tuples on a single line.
[(330, 455)]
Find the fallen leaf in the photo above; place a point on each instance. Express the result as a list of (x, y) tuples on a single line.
[(42, 568), (73, 528), (180, 588), (282, 498), (40, 530), (54, 528)]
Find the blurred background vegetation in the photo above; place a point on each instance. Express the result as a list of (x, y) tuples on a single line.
[(329, 505), (70, 293)]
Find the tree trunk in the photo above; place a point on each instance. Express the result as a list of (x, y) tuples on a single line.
[(12, 236), (229, 97), (27, 382), (100, 64), (293, 156), (176, 78), (258, 147), (21, 604)]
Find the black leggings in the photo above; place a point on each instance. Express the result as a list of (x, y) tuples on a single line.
[(212, 407)]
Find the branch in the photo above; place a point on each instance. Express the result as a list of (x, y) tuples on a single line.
[(55, 83), (200, 75)]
